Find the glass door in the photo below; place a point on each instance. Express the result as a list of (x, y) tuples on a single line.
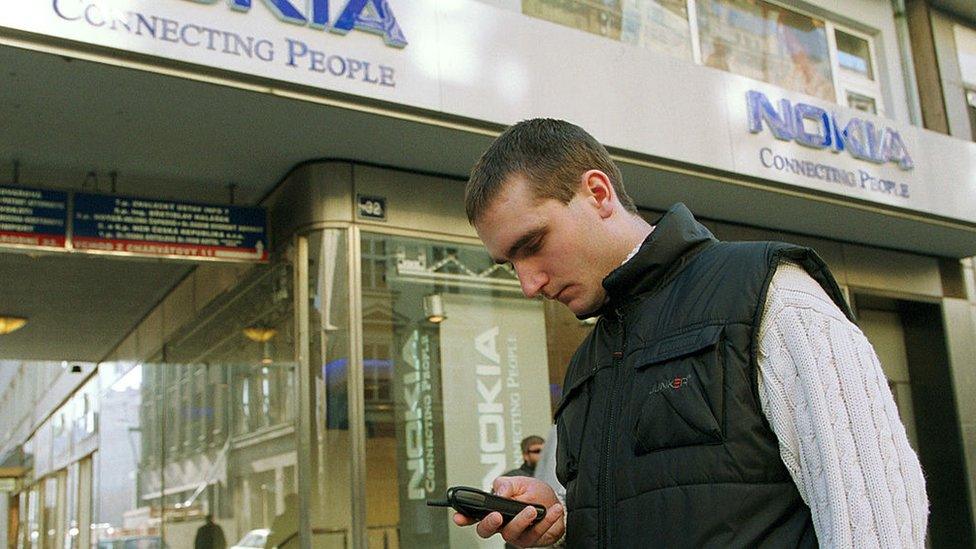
[(455, 375)]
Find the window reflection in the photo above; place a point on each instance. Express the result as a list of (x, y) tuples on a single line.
[(854, 54), (768, 43), (661, 25)]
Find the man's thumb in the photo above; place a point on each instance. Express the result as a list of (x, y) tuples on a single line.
[(502, 487)]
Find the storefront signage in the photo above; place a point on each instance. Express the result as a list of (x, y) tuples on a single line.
[(204, 41), (812, 126), (33, 218), (881, 168), (149, 227), (373, 16)]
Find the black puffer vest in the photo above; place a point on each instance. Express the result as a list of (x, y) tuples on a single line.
[(662, 441)]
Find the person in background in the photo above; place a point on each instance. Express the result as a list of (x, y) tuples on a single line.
[(210, 535), (531, 450)]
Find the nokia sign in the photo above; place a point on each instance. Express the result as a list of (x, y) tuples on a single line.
[(814, 127), (373, 16)]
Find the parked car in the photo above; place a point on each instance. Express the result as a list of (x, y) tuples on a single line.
[(132, 542), (254, 538)]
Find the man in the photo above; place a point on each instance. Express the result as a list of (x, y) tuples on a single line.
[(210, 536), (531, 451), (724, 397)]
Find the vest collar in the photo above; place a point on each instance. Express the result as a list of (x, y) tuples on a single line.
[(675, 234)]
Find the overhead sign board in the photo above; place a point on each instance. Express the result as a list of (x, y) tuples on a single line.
[(161, 228), (33, 218)]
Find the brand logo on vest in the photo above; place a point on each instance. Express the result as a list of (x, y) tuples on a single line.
[(814, 127), (374, 16), (669, 385)]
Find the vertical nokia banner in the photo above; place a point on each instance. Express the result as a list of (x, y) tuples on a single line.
[(493, 352)]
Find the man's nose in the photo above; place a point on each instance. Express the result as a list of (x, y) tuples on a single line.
[(532, 281)]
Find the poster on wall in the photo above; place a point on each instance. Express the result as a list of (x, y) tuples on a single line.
[(496, 390), (420, 442)]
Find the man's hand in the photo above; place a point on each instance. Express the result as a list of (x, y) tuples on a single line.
[(520, 530)]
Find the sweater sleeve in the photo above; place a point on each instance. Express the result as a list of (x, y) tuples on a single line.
[(827, 400)]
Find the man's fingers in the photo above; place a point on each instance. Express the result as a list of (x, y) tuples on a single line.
[(490, 525), (553, 516), (519, 525), (463, 520)]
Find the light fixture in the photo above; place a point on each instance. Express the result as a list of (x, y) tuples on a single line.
[(434, 308), (10, 324), (260, 334), (263, 335)]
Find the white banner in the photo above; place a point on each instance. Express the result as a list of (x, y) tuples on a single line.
[(496, 389), (472, 59)]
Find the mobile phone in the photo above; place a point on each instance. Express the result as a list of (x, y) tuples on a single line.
[(477, 504)]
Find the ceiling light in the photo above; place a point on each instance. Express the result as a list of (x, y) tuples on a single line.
[(434, 308), (10, 324), (260, 334)]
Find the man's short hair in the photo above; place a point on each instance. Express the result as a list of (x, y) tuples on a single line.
[(531, 440), (550, 154)]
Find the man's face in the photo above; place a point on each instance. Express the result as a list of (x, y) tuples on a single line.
[(559, 251), (533, 453)]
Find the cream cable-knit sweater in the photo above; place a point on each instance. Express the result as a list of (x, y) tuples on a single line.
[(823, 391)]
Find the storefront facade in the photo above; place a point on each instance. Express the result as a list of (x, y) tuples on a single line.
[(378, 355)]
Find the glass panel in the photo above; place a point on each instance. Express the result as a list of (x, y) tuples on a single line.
[(32, 532), (854, 54), (660, 25), (457, 374), (167, 462), (70, 528), (861, 102), (330, 472), (971, 103), (51, 513), (966, 53), (768, 43)]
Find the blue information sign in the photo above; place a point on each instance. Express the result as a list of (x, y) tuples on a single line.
[(151, 227), (33, 218)]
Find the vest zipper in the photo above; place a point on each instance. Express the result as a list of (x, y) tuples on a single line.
[(605, 489)]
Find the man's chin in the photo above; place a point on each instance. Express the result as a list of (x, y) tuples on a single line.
[(582, 309)]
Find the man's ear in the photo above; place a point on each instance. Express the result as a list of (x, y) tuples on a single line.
[(598, 190)]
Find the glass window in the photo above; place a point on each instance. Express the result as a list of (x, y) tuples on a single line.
[(966, 53), (854, 54), (660, 25), (971, 107), (445, 316), (601, 17), (330, 471), (861, 102), (166, 462), (766, 42)]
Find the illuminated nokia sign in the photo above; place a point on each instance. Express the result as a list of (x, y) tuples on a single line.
[(814, 127), (373, 16)]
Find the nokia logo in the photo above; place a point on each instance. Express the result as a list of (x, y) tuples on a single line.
[(373, 16), (814, 127)]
